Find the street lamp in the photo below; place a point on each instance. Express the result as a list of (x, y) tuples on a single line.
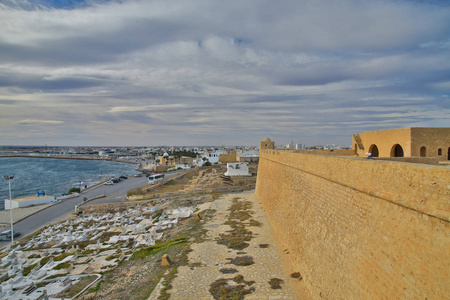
[(9, 178)]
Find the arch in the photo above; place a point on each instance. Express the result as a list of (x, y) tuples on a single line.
[(355, 149), (440, 152), (374, 150), (423, 151), (397, 151), (448, 154)]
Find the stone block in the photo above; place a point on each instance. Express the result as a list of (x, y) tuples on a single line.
[(165, 260)]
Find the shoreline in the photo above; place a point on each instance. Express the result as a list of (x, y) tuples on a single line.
[(59, 193), (70, 157)]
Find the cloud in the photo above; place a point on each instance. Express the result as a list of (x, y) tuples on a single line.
[(39, 122), (191, 72)]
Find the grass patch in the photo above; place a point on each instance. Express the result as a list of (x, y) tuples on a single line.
[(107, 235), (86, 252), (28, 269), (164, 295), (275, 283), (238, 237), (242, 261), (77, 287), (62, 266), (228, 271), (297, 275), (6, 278), (61, 256), (144, 252), (95, 288), (34, 256), (45, 260), (113, 256), (222, 289), (240, 279), (254, 223)]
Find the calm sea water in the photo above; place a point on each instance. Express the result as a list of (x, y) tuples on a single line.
[(55, 176)]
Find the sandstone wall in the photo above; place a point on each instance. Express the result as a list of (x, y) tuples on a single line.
[(436, 142), (227, 158), (358, 228), (432, 139), (385, 140), (334, 152)]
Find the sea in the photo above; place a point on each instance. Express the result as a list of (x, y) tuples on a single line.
[(55, 176)]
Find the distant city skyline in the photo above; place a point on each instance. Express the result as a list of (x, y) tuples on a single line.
[(140, 73)]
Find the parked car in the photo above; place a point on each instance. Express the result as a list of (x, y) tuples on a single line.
[(109, 182), (138, 175), (123, 177), (115, 180), (6, 235)]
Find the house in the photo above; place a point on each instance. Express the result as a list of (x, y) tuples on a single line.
[(237, 169)]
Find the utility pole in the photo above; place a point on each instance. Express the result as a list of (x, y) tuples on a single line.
[(9, 178)]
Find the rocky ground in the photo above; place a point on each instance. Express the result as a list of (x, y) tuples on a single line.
[(237, 259), (224, 251)]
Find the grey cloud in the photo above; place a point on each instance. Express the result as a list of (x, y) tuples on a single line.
[(32, 81), (225, 70)]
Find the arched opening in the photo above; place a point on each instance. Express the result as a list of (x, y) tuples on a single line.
[(374, 150), (423, 151), (440, 152), (448, 154), (355, 149), (397, 151)]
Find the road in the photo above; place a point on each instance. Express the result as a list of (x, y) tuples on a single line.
[(113, 194)]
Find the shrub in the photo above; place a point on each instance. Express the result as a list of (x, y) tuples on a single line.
[(74, 190)]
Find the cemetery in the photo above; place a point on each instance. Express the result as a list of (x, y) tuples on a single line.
[(80, 249)]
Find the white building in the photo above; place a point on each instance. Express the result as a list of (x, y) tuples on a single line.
[(28, 201), (213, 157), (300, 146), (237, 169)]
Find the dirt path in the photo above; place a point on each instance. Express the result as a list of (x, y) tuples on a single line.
[(210, 263)]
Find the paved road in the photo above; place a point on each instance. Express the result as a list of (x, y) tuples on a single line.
[(114, 193)]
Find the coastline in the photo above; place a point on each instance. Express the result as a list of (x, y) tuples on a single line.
[(70, 157), (112, 167)]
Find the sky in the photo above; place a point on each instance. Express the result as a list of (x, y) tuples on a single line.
[(206, 72)]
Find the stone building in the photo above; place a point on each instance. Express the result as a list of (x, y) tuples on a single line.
[(266, 144), (404, 142)]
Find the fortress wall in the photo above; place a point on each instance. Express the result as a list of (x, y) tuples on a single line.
[(334, 152), (433, 139), (360, 229), (414, 160), (385, 140)]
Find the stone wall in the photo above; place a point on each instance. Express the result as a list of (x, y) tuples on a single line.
[(358, 228), (227, 158), (332, 152), (434, 141)]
